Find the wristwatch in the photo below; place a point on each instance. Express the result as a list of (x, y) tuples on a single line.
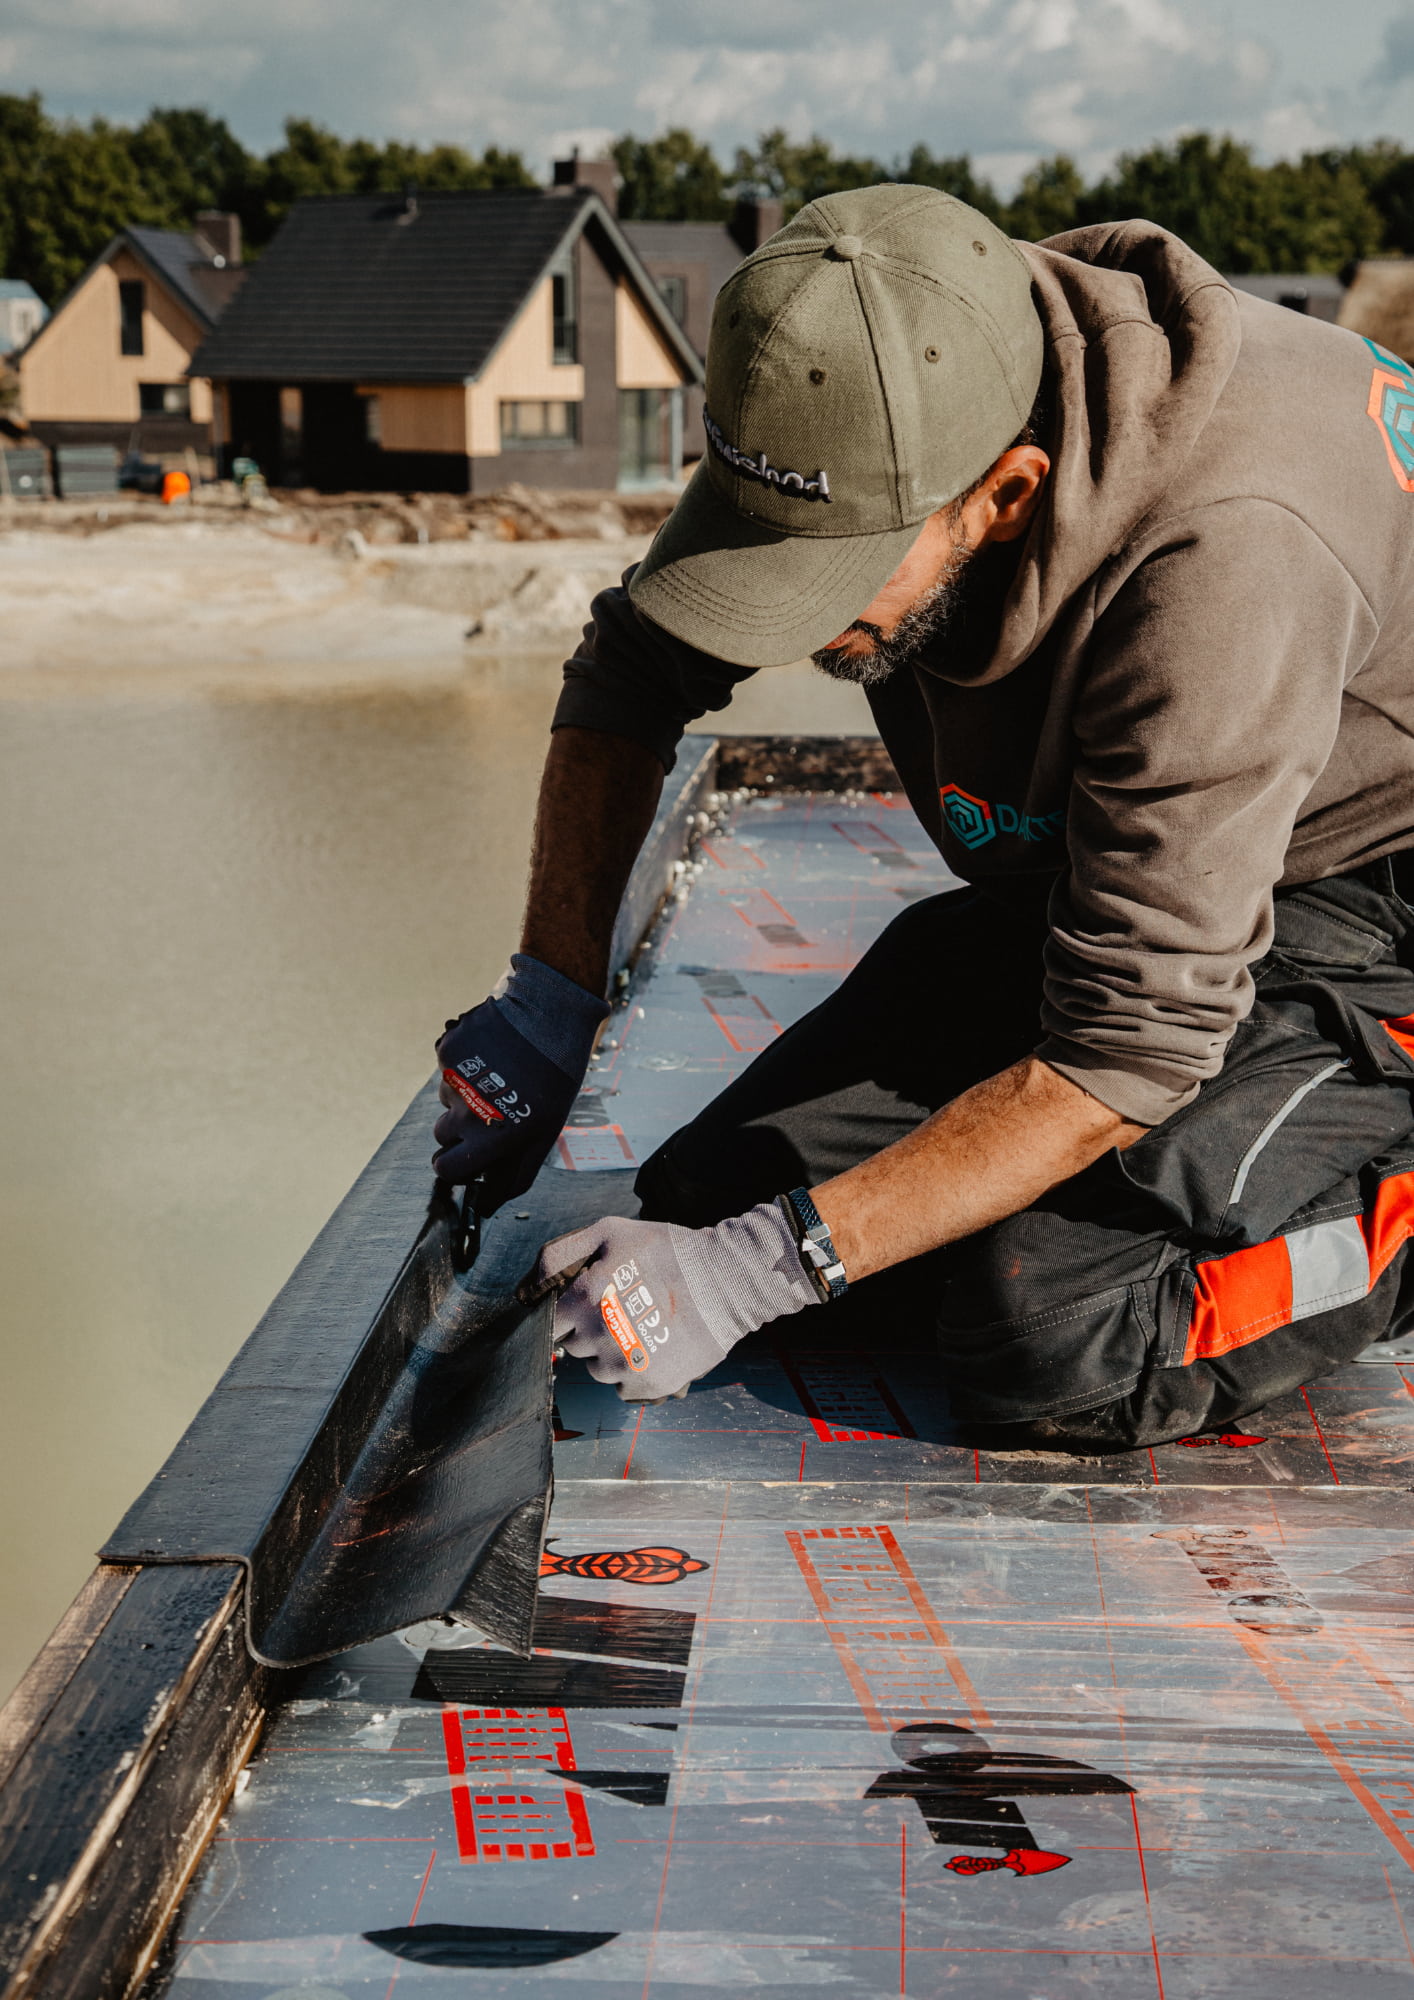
[(817, 1250)]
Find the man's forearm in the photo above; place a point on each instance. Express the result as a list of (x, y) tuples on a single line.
[(987, 1155), (598, 796)]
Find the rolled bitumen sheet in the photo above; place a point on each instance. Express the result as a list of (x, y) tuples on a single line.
[(379, 1451)]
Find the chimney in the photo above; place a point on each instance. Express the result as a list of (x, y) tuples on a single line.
[(222, 231), (754, 218), (601, 175)]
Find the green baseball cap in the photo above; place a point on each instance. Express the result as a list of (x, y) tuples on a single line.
[(866, 365)]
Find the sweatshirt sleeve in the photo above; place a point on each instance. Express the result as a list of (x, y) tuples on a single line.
[(1209, 701), (630, 678)]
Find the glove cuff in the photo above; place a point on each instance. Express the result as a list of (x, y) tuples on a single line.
[(746, 1271), (556, 1015)]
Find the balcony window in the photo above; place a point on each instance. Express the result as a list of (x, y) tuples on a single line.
[(565, 338), (165, 399), (132, 303), (674, 295), (537, 426)]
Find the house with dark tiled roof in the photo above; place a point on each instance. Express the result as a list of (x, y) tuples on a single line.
[(111, 364), (690, 262), (453, 342)]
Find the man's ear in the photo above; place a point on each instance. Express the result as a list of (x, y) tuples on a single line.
[(1010, 494)]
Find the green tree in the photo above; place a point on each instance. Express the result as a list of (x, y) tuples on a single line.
[(953, 174), (315, 161), (64, 190), (676, 178), (796, 174), (1323, 214), (1386, 171), (1048, 200), (1208, 191), (187, 160)]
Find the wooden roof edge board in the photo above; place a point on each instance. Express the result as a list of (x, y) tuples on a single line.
[(53, 1667), (157, 1718)]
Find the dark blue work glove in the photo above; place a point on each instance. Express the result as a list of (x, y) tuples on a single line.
[(511, 1069)]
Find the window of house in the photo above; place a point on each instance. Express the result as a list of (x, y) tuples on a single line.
[(373, 421), (565, 339), (132, 303), (532, 425), (164, 399), (650, 438), (674, 292)]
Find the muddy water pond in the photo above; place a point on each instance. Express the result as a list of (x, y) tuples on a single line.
[(234, 911)]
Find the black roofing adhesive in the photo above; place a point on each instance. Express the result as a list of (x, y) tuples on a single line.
[(485, 1946)]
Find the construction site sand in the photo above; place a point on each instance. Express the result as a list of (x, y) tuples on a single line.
[(234, 607)]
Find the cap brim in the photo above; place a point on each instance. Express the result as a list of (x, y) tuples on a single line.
[(751, 595)]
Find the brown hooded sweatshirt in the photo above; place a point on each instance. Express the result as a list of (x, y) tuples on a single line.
[(1202, 681)]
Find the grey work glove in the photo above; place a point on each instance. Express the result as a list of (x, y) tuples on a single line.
[(656, 1305), (511, 1069)]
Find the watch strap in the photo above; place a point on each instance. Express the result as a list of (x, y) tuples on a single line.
[(817, 1248)]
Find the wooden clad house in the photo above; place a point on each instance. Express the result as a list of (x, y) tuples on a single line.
[(111, 365), (452, 342), (690, 262)]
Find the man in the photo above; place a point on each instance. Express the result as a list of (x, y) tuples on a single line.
[(1122, 560)]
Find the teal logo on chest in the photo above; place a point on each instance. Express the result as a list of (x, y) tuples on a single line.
[(1391, 409), (975, 821)]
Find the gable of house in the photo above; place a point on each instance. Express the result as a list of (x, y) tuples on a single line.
[(75, 369)]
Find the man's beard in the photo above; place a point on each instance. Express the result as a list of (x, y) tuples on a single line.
[(923, 625)]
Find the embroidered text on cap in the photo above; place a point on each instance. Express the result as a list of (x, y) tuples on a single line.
[(759, 467)]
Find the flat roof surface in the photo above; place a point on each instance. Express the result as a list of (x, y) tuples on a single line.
[(822, 1700)]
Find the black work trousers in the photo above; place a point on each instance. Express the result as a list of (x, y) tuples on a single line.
[(1251, 1242)]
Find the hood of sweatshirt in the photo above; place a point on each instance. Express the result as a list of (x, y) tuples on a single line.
[(1141, 338)]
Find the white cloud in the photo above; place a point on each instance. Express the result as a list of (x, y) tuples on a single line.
[(1287, 130), (1002, 79)]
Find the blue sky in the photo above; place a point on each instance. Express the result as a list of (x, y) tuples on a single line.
[(1006, 80)]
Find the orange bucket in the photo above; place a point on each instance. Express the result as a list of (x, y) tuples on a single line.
[(175, 486)]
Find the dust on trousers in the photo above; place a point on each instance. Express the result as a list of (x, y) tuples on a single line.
[(1252, 1242)]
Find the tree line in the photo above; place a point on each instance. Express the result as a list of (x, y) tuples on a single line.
[(65, 187), (1319, 213)]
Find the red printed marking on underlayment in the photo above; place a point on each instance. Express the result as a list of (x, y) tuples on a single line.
[(883, 1629), (747, 1033), (512, 1825), (1320, 1435), (659, 1565), (881, 843), (846, 1402), (751, 911), (730, 854), (1276, 1664), (584, 1147)]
